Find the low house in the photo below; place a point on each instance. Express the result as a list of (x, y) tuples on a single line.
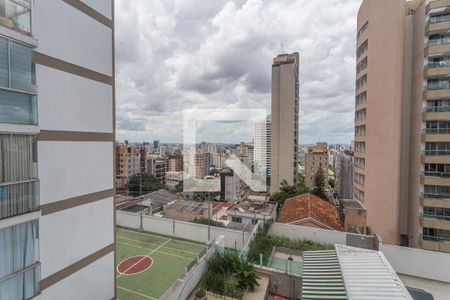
[(187, 211), (252, 209), (312, 211)]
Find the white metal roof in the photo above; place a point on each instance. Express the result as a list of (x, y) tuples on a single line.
[(368, 275)]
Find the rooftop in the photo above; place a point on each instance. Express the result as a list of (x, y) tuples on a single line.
[(352, 203), (307, 207), (254, 204), (187, 206)]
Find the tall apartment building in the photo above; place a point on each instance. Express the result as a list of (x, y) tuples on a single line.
[(262, 147), (285, 103), (128, 163), (201, 164), (316, 158), (344, 173), (175, 163), (57, 149), (157, 167), (402, 144)]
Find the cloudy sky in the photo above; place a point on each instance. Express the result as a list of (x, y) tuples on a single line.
[(173, 55)]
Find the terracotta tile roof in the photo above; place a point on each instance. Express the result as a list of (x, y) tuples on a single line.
[(307, 206)]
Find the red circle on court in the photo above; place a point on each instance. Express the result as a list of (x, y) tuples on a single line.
[(134, 265)]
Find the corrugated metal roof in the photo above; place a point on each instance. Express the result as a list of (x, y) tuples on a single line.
[(368, 275), (322, 278)]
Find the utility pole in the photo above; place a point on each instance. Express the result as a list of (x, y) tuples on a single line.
[(209, 216)]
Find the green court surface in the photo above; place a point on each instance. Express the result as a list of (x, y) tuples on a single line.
[(140, 277)]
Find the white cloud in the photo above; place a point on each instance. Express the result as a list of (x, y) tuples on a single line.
[(176, 54)]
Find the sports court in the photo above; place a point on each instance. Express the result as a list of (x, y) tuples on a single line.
[(148, 264)]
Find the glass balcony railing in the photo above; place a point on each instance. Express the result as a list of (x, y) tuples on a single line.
[(18, 198), (18, 108), (438, 42), (442, 85), (436, 109), (25, 283), (438, 64), (435, 174), (16, 15), (444, 196), (436, 130), (439, 19), (438, 218), (436, 152), (436, 238)]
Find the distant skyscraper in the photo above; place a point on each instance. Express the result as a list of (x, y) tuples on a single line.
[(262, 147), (402, 135), (156, 144), (285, 102)]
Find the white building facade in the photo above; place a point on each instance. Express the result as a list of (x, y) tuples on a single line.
[(262, 147), (57, 149)]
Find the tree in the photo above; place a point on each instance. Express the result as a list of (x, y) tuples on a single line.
[(206, 221), (179, 187), (319, 184), (288, 191), (200, 196), (331, 182), (149, 184)]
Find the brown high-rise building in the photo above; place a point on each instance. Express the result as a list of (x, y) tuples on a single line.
[(175, 163), (285, 98), (402, 121), (316, 158)]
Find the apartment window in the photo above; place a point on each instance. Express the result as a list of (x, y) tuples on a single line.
[(438, 62), (442, 105), (361, 82), (360, 147), (363, 29), (360, 163), (360, 130), (19, 186), (362, 49), (236, 219), (361, 98), (437, 191), (438, 170), (16, 15), (361, 66), (438, 39), (434, 234), (360, 114), (437, 148), (17, 84), (436, 212), (438, 18), (19, 258), (359, 178), (358, 194), (437, 127)]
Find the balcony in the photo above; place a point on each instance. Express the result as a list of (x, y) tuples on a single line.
[(443, 196), (437, 4), (436, 131), (441, 45), (436, 109), (16, 15), (18, 198), (434, 69)]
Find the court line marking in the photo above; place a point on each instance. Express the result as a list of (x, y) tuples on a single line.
[(153, 251), (200, 245), (139, 294), (159, 251), (117, 268), (167, 247)]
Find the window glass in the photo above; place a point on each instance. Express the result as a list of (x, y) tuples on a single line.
[(21, 58), (17, 108), (4, 79)]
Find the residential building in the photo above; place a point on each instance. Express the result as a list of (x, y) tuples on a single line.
[(316, 158), (57, 150), (173, 178), (155, 144), (354, 215), (143, 150), (163, 151), (285, 106), (201, 164), (186, 210), (232, 188), (309, 210), (262, 147), (344, 173), (251, 210), (157, 167), (402, 143), (175, 163), (128, 163)]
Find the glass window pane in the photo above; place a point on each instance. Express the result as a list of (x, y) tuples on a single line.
[(21, 67), (4, 80), (15, 16), (17, 108)]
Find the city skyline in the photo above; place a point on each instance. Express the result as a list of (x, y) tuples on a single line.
[(188, 69)]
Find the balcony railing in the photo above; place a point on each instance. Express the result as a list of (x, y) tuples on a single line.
[(436, 238), (443, 85), (436, 152), (18, 198), (436, 174), (439, 19), (436, 109), (436, 130), (26, 282), (435, 196), (438, 64), (16, 15), (434, 217), (438, 42)]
